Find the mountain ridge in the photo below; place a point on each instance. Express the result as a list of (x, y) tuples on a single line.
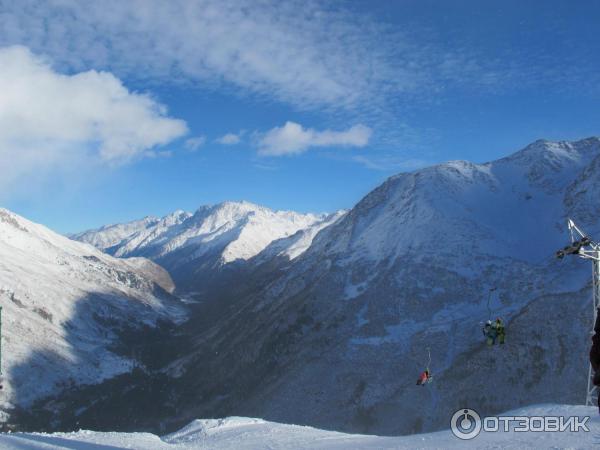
[(195, 248), (342, 329), (410, 267), (65, 304)]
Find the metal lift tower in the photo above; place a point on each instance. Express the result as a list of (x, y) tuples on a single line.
[(584, 247)]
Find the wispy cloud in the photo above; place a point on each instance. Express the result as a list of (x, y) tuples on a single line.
[(229, 139), (266, 167), (292, 138), (390, 163), (194, 143), (299, 52), (50, 121), (308, 54)]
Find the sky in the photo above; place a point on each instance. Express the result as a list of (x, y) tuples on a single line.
[(112, 111)]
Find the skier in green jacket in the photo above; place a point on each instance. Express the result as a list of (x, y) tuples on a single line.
[(500, 332)]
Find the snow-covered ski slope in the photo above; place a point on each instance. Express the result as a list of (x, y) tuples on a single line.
[(240, 433)]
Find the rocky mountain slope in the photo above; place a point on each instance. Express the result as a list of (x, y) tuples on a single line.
[(338, 339), (65, 307), (335, 335)]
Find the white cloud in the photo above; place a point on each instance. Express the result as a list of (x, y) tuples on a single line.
[(306, 53), (193, 144), (229, 139), (299, 52), (292, 138), (51, 121), (391, 163)]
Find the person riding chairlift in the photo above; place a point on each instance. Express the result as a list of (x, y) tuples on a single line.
[(493, 331), (489, 331), (424, 378), (500, 332)]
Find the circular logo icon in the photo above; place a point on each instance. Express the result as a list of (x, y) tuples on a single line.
[(466, 424)]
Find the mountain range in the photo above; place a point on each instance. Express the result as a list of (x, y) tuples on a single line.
[(202, 248), (338, 338), (326, 320)]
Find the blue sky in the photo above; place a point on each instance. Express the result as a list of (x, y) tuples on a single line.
[(113, 111)]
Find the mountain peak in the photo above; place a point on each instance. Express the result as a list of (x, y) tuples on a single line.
[(214, 236), (557, 149)]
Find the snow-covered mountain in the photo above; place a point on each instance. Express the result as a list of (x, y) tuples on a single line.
[(334, 335), (343, 332), (241, 433), (65, 305), (195, 248), (295, 245), (109, 236)]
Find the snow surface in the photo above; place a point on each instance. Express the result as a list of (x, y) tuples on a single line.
[(239, 433)]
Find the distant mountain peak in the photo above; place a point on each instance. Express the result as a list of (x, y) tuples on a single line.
[(213, 236)]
